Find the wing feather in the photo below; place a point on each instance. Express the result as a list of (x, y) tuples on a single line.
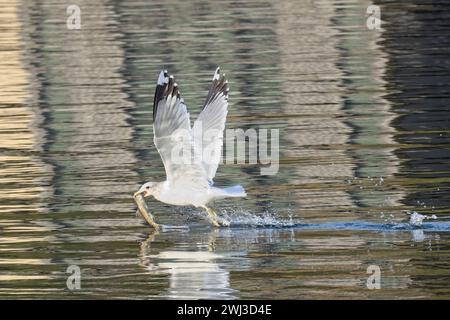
[(208, 128), (172, 129)]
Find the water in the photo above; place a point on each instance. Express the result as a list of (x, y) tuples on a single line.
[(364, 128)]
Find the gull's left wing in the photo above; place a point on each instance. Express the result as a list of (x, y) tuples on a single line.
[(172, 132)]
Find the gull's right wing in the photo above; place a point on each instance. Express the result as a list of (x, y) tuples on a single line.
[(208, 128)]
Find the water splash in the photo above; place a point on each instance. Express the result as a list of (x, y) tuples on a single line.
[(416, 219), (265, 219), (244, 218), (374, 226), (235, 218)]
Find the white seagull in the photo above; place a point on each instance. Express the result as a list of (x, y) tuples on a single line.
[(190, 181)]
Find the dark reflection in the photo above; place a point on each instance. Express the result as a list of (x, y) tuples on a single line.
[(417, 42), (369, 113)]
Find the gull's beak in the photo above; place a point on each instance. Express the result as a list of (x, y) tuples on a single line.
[(138, 193)]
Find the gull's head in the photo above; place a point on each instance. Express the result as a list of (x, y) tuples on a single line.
[(146, 189)]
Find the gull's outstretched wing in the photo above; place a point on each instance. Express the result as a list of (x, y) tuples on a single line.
[(172, 134), (208, 128)]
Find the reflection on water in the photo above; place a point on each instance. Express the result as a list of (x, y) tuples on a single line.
[(194, 273), (22, 173), (363, 119)]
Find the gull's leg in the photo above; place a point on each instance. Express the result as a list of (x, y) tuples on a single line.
[(213, 216)]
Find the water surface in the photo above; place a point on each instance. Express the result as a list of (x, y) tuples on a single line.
[(364, 128)]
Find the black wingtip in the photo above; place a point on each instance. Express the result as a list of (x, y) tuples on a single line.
[(219, 86), (166, 86)]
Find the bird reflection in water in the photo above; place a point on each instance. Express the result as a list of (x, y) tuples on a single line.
[(194, 272)]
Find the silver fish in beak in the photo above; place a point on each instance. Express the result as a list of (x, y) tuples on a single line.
[(144, 211)]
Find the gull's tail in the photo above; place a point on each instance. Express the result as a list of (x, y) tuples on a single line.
[(235, 191)]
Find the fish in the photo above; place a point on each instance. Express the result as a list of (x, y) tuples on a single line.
[(144, 210)]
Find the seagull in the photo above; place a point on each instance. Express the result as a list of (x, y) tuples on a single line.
[(189, 178)]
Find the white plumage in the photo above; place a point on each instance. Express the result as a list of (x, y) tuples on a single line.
[(191, 156)]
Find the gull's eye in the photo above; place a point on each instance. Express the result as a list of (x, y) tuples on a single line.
[(147, 187)]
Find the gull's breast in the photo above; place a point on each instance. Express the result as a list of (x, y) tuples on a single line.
[(183, 196)]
